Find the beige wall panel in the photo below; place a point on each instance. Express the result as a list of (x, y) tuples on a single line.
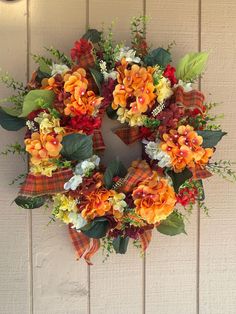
[(171, 261), (218, 233), (14, 260), (60, 283), (116, 286)]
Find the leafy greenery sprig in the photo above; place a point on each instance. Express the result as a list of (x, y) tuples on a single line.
[(223, 168)]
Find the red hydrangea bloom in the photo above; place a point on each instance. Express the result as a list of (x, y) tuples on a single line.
[(85, 124), (187, 196), (81, 47), (107, 92), (170, 74)]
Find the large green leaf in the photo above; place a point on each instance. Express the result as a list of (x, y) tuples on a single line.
[(158, 56), (111, 113), (120, 244), (179, 178), (32, 100), (211, 138), (115, 168), (98, 78), (12, 110), (173, 225), (30, 202), (191, 66), (93, 35), (77, 147), (9, 122), (97, 228)]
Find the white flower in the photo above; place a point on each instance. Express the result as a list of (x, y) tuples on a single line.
[(103, 66), (77, 220), (59, 69), (84, 167), (154, 152), (186, 86), (31, 125), (112, 75), (128, 54), (73, 183)]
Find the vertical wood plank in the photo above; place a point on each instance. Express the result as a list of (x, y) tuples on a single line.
[(14, 266), (171, 261), (218, 233), (116, 286), (60, 282)]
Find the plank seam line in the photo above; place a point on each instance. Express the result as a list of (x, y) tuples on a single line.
[(198, 207), (29, 212)]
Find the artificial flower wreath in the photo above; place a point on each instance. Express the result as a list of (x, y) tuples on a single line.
[(62, 108)]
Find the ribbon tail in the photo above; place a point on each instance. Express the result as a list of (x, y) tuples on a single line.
[(128, 135)]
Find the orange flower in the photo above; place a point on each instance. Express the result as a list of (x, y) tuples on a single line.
[(135, 89), (51, 84), (41, 147), (154, 199), (76, 80), (184, 147), (98, 204), (86, 104)]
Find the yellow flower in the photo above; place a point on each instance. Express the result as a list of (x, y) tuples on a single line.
[(164, 90), (124, 115), (63, 206), (45, 168), (117, 201), (49, 124)]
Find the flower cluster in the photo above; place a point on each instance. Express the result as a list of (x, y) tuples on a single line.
[(63, 106)]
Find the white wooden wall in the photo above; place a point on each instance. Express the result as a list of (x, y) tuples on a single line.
[(194, 274)]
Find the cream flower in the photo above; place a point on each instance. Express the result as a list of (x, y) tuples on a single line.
[(117, 201), (59, 69), (128, 54), (186, 86), (154, 151), (164, 90), (77, 220)]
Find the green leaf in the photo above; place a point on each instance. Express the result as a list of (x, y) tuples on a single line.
[(9, 122), (158, 56), (111, 113), (120, 244), (44, 67), (172, 225), (93, 35), (31, 100), (115, 168), (211, 138), (12, 111), (179, 178), (30, 202), (77, 147), (97, 228), (98, 78), (191, 66)]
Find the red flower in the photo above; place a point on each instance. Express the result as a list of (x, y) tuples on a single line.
[(107, 92), (187, 196), (81, 47), (170, 74), (85, 124), (35, 113)]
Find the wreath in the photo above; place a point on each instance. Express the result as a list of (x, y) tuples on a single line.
[(62, 108)]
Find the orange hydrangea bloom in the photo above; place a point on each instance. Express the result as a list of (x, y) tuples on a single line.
[(154, 199), (76, 80), (41, 147), (184, 147), (97, 204), (135, 84)]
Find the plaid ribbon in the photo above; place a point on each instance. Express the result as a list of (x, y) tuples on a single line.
[(145, 239), (98, 142), (138, 172), (190, 100), (85, 247), (38, 185), (128, 135)]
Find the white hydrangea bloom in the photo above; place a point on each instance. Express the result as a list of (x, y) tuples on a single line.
[(112, 75), (128, 54), (186, 86), (82, 169), (154, 152), (73, 183), (77, 220), (59, 69)]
